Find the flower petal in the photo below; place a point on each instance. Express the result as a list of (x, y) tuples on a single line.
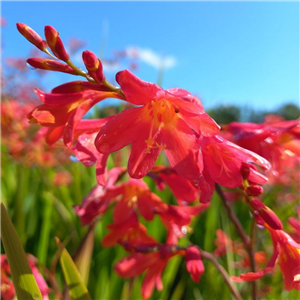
[(59, 99), (182, 149), (121, 130), (137, 91), (54, 134), (142, 156)]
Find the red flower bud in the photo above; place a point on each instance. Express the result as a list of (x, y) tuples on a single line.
[(93, 65), (266, 214), (254, 190), (194, 263), (31, 36), (49, 64), (55, 43)]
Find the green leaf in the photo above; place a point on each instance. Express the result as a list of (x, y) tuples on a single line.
[(83, 257), (77, 288), (23, 279)]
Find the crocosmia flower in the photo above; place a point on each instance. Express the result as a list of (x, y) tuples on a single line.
[(171, 120), (287, 251), (194, 264), (62, 110)]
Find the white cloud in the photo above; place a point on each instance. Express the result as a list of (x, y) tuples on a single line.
[(151, 58)]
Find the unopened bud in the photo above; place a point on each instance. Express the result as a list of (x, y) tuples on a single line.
[(194, 263), (266, 214), (55, 43), (49, 64), (31, 36), (254, 190), (93, 65), (245, 169)]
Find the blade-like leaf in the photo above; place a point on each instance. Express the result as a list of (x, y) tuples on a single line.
[(23, 279), (83, 257), (77, 288)]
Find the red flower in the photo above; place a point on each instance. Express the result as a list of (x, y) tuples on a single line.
[(288, 252), (95, 203), (129, 233), (63, 108), (182, 188), (177, 218), (194, 264), (170, 120), (153, 263), (277, 141), (85, 149), (223, 160)]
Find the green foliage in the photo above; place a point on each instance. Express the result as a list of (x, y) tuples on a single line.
[(289, 111), (23, 279), (225, 114), (76, 286)]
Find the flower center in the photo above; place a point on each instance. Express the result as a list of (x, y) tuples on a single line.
[(163, 111), (162, 114)]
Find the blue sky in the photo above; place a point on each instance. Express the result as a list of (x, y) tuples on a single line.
[(244, 53)]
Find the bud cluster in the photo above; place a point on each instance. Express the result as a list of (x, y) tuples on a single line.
[(251, 189)]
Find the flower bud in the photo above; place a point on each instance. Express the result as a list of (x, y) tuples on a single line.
[(93, 65), (245, 170), (32, 36), (254, 190), (55, 43), (266, 214), (49, 64), (194, 264)]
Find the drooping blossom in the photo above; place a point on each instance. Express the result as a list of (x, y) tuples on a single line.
[(96, 202), (278, 141), (287, 251), (171, 120), (129, 233), (85, 150), (225, 245), (152, 263), (182, 188), (63, 108), (177, 220), (223, 162), (194, 264)]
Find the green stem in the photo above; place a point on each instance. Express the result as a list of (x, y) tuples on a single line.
[(223, 272), (240, 230)]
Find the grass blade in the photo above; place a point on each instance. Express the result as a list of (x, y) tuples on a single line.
[(77, 288), (23, 279)]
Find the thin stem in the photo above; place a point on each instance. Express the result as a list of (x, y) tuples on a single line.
[(233, 217), (53, 282), (80, 72), (223, 272), (240, 230), (113, 88), (252, 260)]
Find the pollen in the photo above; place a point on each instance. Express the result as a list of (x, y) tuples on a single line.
[(153, 144), (163, 111)]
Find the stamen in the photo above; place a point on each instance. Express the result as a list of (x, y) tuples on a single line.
[(162, 112)]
